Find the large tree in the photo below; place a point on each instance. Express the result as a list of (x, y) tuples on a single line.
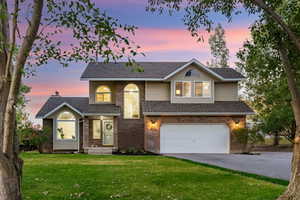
[(218, 48), (32, 34), (281, 14), (265, 85)]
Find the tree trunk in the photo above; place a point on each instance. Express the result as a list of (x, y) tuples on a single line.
[(293, 190), (10, 177), (10, 163), (276, 139)]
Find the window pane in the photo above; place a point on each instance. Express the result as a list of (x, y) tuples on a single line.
[(206, 89), (131, 88), (66, 130), (187, 89), (66, 116), (103, 89), (131, 105), (199, 89), (96, 129), (178, 89)]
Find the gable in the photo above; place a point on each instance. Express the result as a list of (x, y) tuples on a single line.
[(193, 72)]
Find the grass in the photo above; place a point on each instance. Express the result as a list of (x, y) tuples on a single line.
[(89, 177)]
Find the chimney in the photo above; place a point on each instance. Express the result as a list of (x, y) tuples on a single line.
[(56, 94)]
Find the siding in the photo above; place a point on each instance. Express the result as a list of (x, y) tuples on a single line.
[(157, 91), (203, 76), (226, 92)]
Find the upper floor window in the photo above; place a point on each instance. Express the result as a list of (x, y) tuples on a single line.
[(202, 89), (131, 102), (66, 126), (103, 94), (183, 89)]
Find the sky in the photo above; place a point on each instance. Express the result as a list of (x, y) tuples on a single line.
[(161, 37)]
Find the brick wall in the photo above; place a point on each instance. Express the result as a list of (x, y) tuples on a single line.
[(130, 131), (152, 135)]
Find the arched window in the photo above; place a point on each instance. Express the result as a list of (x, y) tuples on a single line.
[(103, 94), (131, 102), (66, 126)]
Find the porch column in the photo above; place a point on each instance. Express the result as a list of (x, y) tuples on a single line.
[(85, 134)]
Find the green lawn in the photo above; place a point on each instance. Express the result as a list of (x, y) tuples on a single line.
[(88, 177)]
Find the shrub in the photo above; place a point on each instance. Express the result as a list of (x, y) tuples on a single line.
[(248, 137)]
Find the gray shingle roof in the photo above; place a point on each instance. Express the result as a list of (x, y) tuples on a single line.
[(155, 70), (217, 107), (79, 103)]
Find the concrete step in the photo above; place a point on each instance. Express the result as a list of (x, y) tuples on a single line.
[(99, 150)]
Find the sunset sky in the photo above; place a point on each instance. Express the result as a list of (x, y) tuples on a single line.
[(162, 38)]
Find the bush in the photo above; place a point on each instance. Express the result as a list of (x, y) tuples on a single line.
[(32, 138), (248, 137)]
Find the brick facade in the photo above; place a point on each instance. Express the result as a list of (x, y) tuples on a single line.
[(130, 131), (152, 134)]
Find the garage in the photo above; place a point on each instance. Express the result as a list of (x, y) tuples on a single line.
[(194, 138)]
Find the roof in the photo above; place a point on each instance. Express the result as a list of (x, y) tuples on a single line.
[(217, 108), (154, 71), (78, 104)]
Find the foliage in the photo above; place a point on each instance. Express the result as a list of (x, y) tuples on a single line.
[(218, 48), (266, 85), (63, 176), (248, 137)]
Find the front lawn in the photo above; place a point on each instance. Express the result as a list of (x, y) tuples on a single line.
[(89, 177)]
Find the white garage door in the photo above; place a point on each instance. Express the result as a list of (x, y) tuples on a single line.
[(194, 138)]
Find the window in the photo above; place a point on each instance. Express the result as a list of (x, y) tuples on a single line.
[(183, 89), (103, 94), (192, 72), (66, 126), (96, 129), (202, 89), (131, 102)]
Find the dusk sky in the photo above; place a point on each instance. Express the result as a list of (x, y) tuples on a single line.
[(162, 38)]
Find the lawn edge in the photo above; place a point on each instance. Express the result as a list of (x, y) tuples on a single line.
[(246, 174)]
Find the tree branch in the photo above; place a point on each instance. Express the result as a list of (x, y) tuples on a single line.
[(277, 18), (13, 38), (23, 53)]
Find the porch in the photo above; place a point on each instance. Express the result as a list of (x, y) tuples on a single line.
[(99, 134)]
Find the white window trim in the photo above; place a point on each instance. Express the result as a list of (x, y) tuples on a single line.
[(193, 89), (210, 87), (139, 103), (59, 139), (110, 92), (179, 81)]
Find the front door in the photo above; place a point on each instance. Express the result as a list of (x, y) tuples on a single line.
[(108, 132)]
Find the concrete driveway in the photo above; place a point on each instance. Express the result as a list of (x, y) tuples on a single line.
[(271, 164)]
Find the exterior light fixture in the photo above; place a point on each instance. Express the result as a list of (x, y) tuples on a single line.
[(236, 123), (152, 125)]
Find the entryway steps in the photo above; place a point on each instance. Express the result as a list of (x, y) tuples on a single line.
[(99, 150)]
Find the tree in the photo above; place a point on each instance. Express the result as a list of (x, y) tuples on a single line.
[(266, 85), (282, 15), (218, 48), (95, 33)]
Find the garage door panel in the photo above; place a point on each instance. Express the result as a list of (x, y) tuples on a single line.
[(194, 138)]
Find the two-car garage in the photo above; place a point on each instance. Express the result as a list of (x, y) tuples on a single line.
[(194, 138)]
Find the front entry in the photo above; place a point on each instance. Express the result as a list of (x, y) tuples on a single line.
[(108, 132)]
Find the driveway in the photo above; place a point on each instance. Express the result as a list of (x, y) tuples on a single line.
[(271, 164)]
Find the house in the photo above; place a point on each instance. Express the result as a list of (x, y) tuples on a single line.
[(170, 107)]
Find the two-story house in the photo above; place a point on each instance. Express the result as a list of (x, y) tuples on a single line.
[(170, 107)]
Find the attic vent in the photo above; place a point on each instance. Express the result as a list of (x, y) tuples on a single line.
[(192, 72)]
